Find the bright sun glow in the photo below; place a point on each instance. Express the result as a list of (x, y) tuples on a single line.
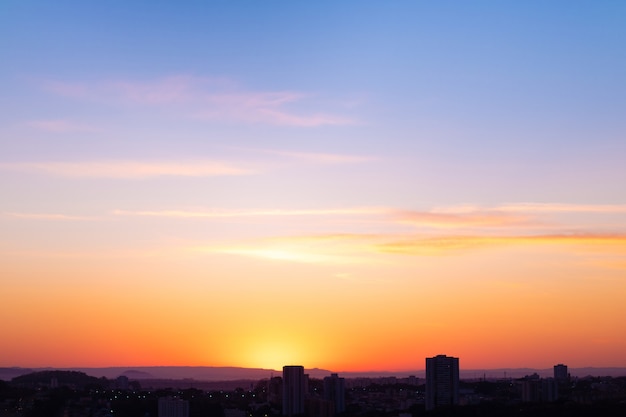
[(274, 355)]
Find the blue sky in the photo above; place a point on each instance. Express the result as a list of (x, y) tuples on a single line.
[(498, 78), (471, 103)]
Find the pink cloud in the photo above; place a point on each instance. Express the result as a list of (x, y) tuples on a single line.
[(461, 219), (355, 211), (564, 208), (129, 169), (314, 157), (204, 98), (45, 216), (283, 118)]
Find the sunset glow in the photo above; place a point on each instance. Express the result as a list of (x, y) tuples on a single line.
[(348, 186)]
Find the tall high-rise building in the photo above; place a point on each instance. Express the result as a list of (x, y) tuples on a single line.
[(335, 392), (442, 381), (560, 372), (294, 383)]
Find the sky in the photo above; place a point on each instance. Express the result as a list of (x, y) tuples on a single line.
[(352, 186)]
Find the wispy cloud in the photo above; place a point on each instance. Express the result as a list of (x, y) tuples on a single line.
[(281, 117), (330, 238), (252, 213), (46, 216), (204, 98), (128, 169), (445, 244), (61, 126), (279, 254), (367, 248), (494, 220), (314, 157), (444, 219), (303, 249), (449, 232), (539, 216), (90, 253), (532, 208), (563, 208)]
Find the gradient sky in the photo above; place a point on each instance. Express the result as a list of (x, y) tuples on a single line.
[(343, 185)]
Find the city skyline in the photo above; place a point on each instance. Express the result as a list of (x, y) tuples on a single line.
[(531, 395), (352, 186), (208, 373)]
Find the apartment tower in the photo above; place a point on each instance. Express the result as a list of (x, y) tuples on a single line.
[(293, 390), (442, 381), (335, 392)]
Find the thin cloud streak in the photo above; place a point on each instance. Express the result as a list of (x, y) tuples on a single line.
[(564, 208), (462, 217), (445, 244), (332, 237), (278, 254), (300, 249), (459, 219), (364, 248), (278, 117), (46, 216), (202, 98), (128, 169), (252, 213), (518, 215), (533, 208), (315, 157), (85, 253)]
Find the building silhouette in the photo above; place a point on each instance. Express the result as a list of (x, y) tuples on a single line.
[(560, 372), (319, 407), (536, 389), (294, 389), (335, 392), (442, 381), (173, 407), (275, 390)]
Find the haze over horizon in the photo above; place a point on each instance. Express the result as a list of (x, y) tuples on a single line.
[(350, 186), (216, 374)]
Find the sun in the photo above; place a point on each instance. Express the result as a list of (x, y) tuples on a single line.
[(275, 354)]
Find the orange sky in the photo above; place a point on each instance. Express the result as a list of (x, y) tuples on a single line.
[(346, 302)]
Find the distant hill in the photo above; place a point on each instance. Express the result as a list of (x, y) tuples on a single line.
[(134, 374), (200, 373), (209, 373), (7, 374), (58, 378)]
